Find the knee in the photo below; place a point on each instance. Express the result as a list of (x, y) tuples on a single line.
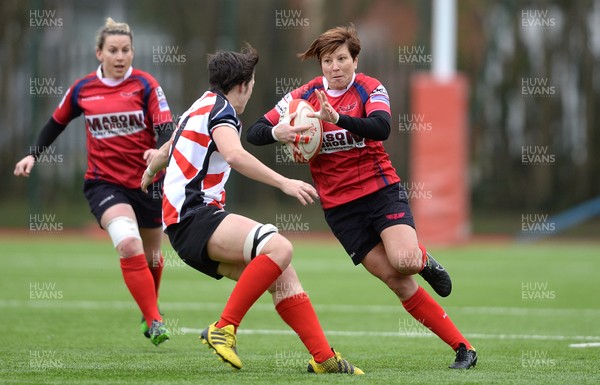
[(402, 285), (280, 250), (409, 260), (129, 247), (125, 235)]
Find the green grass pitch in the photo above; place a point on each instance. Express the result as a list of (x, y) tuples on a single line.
[(532, 311)]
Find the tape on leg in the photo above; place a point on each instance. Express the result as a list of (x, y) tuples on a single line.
[(122, 227), (257, 238)]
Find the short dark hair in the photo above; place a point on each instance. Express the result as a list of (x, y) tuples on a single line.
[(331, 40), (227, 69)]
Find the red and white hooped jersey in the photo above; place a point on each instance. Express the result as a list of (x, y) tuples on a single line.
[(120, 116), (197, 172), (348, 166)]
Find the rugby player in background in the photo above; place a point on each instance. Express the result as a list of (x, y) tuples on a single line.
[(124, 110)]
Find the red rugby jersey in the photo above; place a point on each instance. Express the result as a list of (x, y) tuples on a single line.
[(348, 166), (120, 116)]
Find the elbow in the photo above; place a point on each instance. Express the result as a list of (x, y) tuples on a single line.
[(386, 128), (251, 139), (385, 133), (234, 158), (251, 136)]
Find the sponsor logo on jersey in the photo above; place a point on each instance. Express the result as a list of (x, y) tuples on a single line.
[(395, 216), (379, 94), (162, 99), (348, 108), (128, 94), (282, 106), (92, 98), (105, 126), (340, 140)]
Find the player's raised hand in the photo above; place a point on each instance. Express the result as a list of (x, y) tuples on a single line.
[(326, 113), (24, 166), (286, 133), (302, 191)]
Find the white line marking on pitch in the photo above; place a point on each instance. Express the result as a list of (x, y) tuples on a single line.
[(586, 345), (86, 304), (357, 333), (504, 311)]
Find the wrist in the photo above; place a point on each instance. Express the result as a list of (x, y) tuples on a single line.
[(273, 133), (149, 172), (337, 118)]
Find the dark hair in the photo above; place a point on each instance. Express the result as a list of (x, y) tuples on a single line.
[(227, 69), (331, 40)]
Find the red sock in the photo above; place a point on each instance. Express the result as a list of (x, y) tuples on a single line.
[(428, 312), (297, 311), (140, 283), (424, 255), (256, 278), (156, 268)]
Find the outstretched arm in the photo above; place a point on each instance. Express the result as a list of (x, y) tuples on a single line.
[(376, 126), (262, 132), (157, 163), (229, 145)]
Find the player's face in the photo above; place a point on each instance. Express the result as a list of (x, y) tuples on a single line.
[(116, 56), (338, 67), (245, 95)]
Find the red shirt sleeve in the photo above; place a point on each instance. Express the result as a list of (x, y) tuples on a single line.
[(66, 111), (158, 107), (378, 99)]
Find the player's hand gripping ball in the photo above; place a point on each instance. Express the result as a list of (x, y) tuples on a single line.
[(302, 151)]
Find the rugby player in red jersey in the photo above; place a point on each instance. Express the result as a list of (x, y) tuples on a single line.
[(364, 204), (124, 110), (222, 244)]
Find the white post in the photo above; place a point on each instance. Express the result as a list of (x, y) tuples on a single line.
[(444, 39)]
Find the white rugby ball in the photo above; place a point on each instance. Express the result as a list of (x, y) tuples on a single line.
[(304, 151)]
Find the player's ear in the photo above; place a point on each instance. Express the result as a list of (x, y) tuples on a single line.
[(356, 62), (99, 54)]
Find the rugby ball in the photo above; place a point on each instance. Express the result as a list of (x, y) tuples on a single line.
[(305, 150)]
